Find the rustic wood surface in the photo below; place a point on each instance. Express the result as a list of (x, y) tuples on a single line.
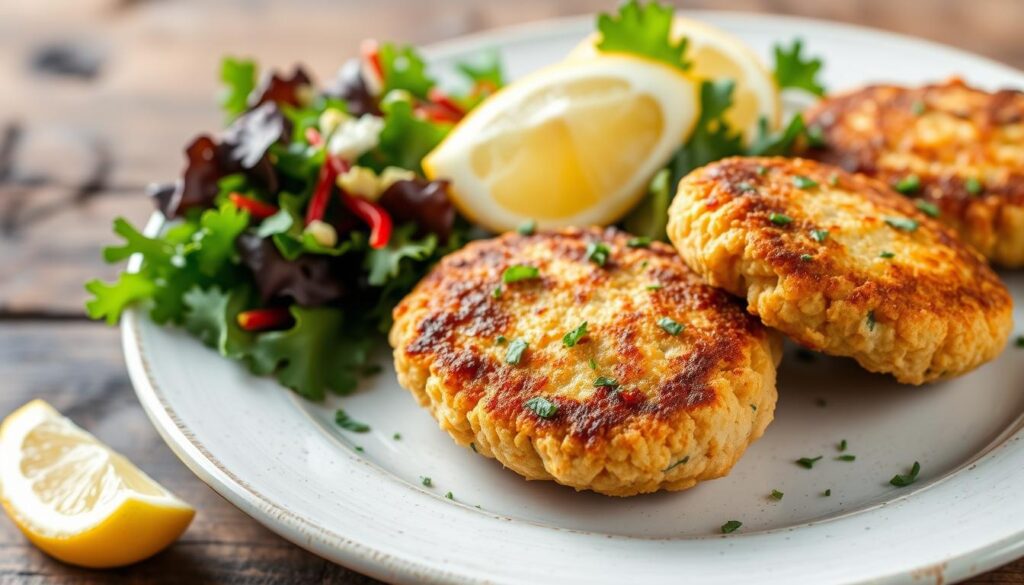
[(97, 99)]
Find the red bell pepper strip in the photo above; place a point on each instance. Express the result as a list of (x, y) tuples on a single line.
[(371, 54), (374, 215), (446, 103), (257, 209), (264, 319), (332, 167), (313, 136)]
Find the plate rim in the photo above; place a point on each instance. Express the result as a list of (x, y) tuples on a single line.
[(380, 564)]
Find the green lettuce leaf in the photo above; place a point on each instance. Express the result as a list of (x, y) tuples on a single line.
[(405, 138), (386, 263), (239, 79), (404, 69)]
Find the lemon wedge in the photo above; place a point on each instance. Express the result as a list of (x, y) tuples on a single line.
[(76, 499), (716, 54), (572, 144)]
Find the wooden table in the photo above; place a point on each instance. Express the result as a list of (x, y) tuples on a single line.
[(77, 148)]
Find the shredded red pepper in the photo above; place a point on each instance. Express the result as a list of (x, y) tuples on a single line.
[(446, 103), (257, 209), (374, 215), (313, 136), (264, 319), (371, 54), (332, 167)]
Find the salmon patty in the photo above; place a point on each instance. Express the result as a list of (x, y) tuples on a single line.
[(842, 264), (957, 148), (587, 357)]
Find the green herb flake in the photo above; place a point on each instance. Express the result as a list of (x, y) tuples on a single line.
[(592, 364), (842, 446), (927, 207), (808, 462), (426, 481), (501, 340), (903, 223), (833, 180), (777, 495), (753, 407), (397, 436), (606, 382), (639, 242), (528, 228), (909, 184), (816, 136), (780, 219), (731, 526), (819, 235), (518, 272), (887, 255), (343, 420), (677, 463), (472, 447), (903, 480), (827, 493), (846, 458), (449, 496), (359, 448), (571, 338), (515, 351), (870, 320), (973, 186), (542, 407), (1019, 342), (762, 170), (670, 326), (746, 187), (598, 253), (918, 107), (806, 257), (496, 293), (802, 182)]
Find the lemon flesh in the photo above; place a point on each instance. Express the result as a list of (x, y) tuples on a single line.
[(76, 499), (569, 145)]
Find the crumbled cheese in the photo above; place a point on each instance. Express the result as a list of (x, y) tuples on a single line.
[(354, 137), (361, 182), (391, 175), (323, 233), (330, 119)]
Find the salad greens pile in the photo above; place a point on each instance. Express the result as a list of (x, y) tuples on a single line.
[(293, 233)]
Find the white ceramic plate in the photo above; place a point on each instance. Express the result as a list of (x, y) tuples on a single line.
[(282, 460)]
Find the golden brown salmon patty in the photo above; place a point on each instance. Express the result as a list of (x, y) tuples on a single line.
[(842, 264), (665, 386), (959, 149)]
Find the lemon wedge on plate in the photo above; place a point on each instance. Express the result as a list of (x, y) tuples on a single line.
[(572, 144), (78, 500), (715, 54)]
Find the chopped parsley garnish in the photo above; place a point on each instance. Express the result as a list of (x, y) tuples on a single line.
[(908, 184), (450, 496), (762, 170), (592, 364), (397, 436), (918, 107), (808, 462), (887, 255), (827, 492), (496, 293), (515, 351), (598, 253), (794, 70), (780, 219), (677, 463), (846, 458), (426, 481), (542, 407), (606, 382), (806, 257), (815, 136), (777, 495), (842, 445), (746, 187), (359, 448), (670, 326), (731, 526), (819, 235), (833, 179), (903, 223), (753, 407), (802, 182), (343, 420), (501, 340), (472, 446), (571, 338), (528, 228), (518, 272), (973, 186), (644, 30), (639, 242), (927, 207), (903, 480), (871, 320), (654, 287)]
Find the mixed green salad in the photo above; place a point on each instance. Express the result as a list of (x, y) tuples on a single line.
[(292, 234)]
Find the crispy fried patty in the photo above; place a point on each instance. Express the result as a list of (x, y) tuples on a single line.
[(842, 264), (957, 147), (669, 384)]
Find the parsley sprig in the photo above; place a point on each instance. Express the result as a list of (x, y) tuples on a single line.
[(644, 30)]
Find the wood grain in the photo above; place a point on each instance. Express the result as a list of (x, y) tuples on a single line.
[(76, 151)]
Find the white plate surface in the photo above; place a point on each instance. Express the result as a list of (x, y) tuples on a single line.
[(285, 463)]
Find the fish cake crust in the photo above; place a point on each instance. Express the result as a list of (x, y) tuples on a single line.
[(843, 265), (962, 147), (638, 406)]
